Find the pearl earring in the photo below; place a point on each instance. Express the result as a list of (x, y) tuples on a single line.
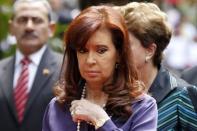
[(146, 59)]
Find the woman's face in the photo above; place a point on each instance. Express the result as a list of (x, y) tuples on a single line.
[(139, 52), (97, 59)]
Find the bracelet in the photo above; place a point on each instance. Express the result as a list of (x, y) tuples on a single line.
[(100, 122)]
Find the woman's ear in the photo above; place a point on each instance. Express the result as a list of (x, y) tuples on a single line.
[(150, 52)]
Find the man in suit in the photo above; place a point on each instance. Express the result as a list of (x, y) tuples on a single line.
[(31, 83)]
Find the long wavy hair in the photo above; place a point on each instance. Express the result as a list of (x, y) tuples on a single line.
[(123, 90)]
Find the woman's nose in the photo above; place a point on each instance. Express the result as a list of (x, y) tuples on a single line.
[(91, 58)]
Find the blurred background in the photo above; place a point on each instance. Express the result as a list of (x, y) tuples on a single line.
[(182, 15)]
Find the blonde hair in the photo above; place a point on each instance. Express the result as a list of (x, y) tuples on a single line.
[(148, 24)]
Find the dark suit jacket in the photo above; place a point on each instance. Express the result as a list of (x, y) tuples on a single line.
[(190, 75), (39, 96)]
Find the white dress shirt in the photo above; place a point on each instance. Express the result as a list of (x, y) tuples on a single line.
[(33, 66)]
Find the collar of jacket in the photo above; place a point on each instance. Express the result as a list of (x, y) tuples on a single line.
[(163, 84)]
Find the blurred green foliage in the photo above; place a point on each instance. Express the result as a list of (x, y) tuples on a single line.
[(57, 41), (5, 13)]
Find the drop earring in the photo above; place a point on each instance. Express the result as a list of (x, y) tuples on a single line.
[(116, 65), (146, 59)]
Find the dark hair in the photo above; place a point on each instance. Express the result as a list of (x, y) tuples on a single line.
[(122, 91)]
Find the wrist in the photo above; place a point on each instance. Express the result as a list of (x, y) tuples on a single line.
[(100, 122)]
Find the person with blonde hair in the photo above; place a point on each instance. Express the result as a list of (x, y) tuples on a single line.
[(149, 35)]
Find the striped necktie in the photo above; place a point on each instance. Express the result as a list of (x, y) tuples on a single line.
[(20, 91)]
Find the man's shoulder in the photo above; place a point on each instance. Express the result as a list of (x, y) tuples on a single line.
[(5, 65), (52, 51), (57, 55), (6, 61), (52, 57)]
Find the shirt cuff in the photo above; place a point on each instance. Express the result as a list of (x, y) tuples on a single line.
[(107, 126)]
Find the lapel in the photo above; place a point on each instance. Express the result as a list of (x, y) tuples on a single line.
[(7, 83), (161, 85), (44, 72)]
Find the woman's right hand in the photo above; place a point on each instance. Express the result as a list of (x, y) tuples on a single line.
[(84, 110)]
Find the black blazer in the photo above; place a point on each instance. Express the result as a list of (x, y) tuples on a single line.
[(39, 97), (190, 75)]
